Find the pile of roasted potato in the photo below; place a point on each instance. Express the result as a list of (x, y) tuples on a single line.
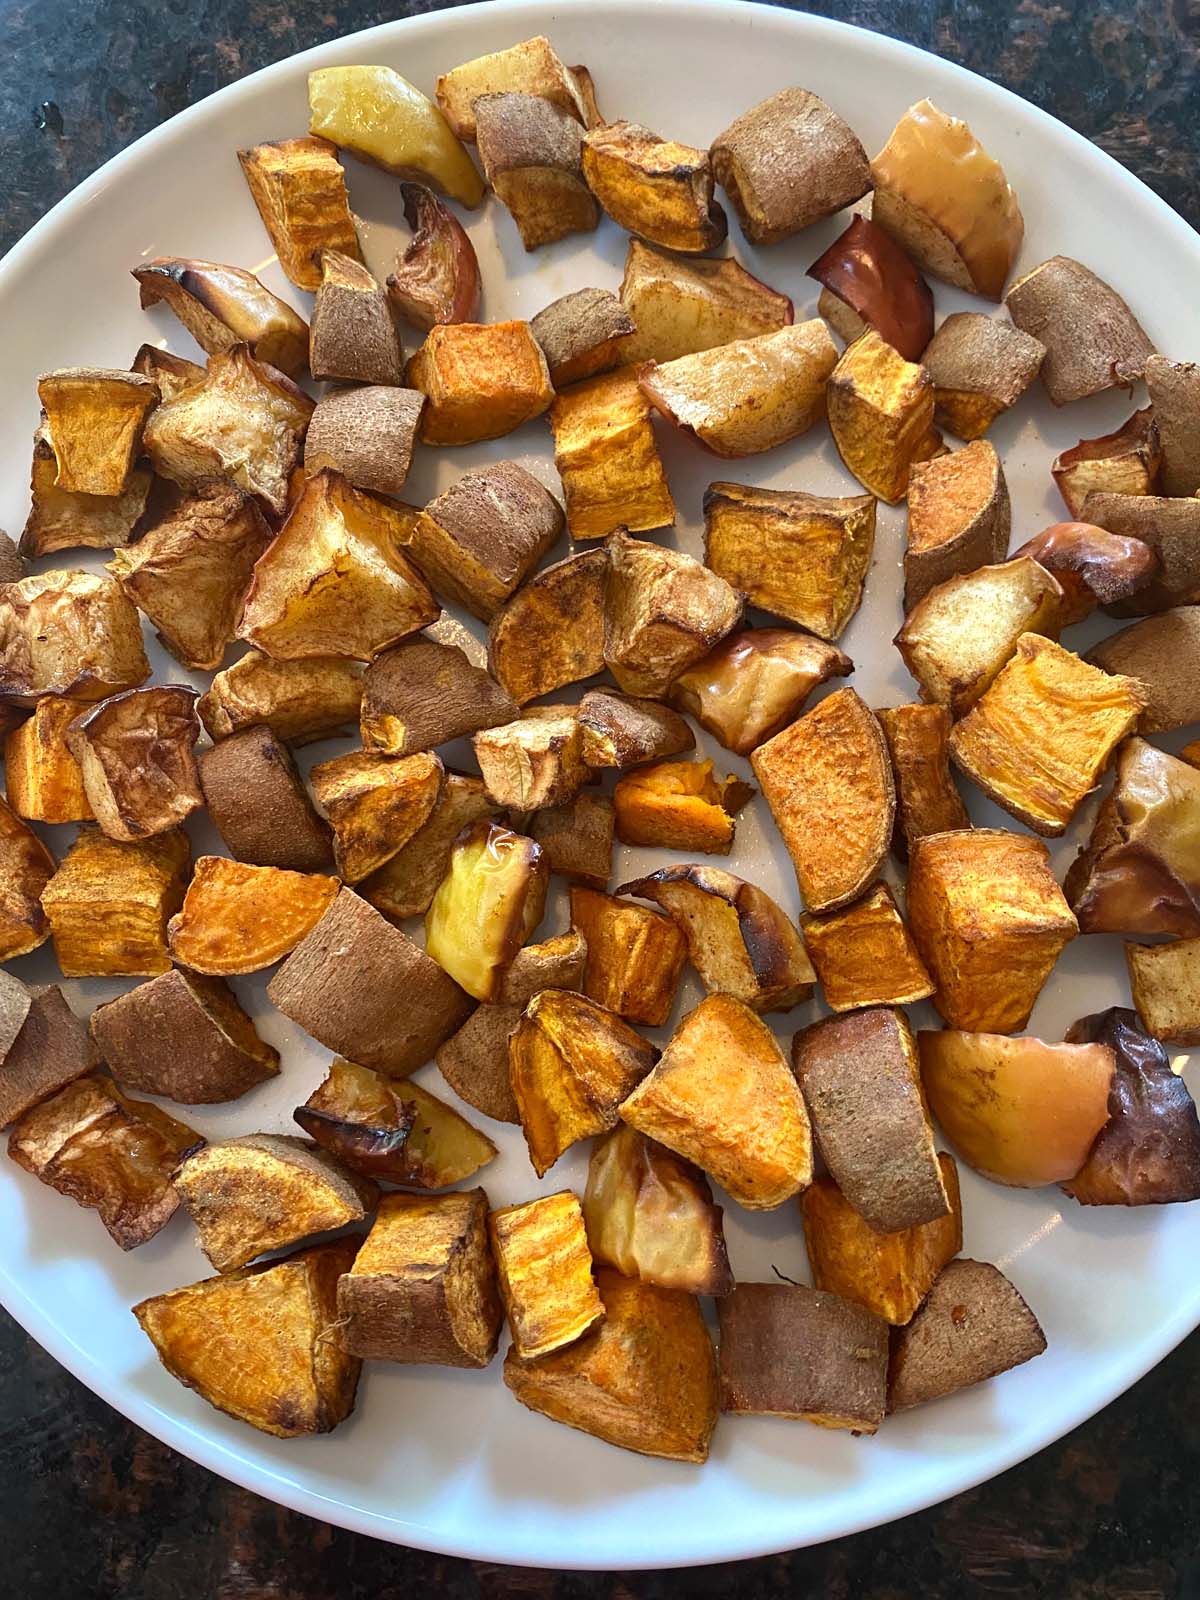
[(401, 903)]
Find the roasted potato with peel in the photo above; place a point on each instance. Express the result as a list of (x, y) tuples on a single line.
[(653, 187), (47, 1048), (551, 632), (583, 334), (1123, 462), (422, 693), (980, 367), (1093, 568), (298, 700), (533, 762), (545, 1271), (531, 152), (300, 191), (682, 307), (531, 67), (42, 779), (26, 867), (864, 954), (679, 805), (1093, 340), (238, 918), (109, 902), (374, 803), (1163, 654), (354, 337), (406, 883), (135, 754), (959, 518), (634, 955), (258, 803), (436, 279), (577, 838), (1174, 390), (486, 907), (1171, 528), (68, 633), (622, 731), (752, 684), (225, 306), (663, 610), (94, 418)]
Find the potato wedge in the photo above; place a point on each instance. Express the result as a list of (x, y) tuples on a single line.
[(531, 68), (366, 434), (354, 337), (422, 693), (927, 798), (959, 518), (663, 611), (621, 731), (238, 918), (374, 803), (135, 752), (486, 907), (49, 1050), (479, 381), (405, 885), (94, 418), (68, 633), (751, 685), (868, 282), (108, 904), (1174, 390), (63, 519), (576, 838), (653, 187), (634, 956), (583, 334), (828, 781), (1165, 980), (300, 191), (1092, 566), (1093, 340), (1171, 528), (881, 416), (226, 306), (864, 954), (551, 632), (298, 700), (531, 152), (680, 308), (545, 1270), (42, 780), (436, 279), (26, 867), (259, 805), (1123, 462), (679, 805), (533, 762), (607, 457)]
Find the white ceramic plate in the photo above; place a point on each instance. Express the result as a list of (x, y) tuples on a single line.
[(448, 1460)]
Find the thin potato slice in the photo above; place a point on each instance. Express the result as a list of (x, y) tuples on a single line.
[(68, 633), (752, 684), (1093, 340), (881, 416), (486, 907), (545, 1272), (42, 779), (608, 459), (108, 904), (679, 805), (959, 518), (480, 381), (551, 632), (94, 418), (300, 190), (135, 752), (634, 956), (653, 187), (864, 954), (374, 803), (980, 367), (50, 1050), (927, 798), (298, 700), (682, 307), (406, 883), (237, 918), (225, 306), (26, 867), (869, 282)]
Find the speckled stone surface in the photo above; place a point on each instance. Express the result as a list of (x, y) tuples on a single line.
[(92, 1508)]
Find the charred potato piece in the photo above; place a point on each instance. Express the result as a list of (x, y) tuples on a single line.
[(680, 308), (63, 519), (170, 372), (864, 954), (68, 633), (980, 367), (1163, 654), (238, 918), (1171, 528), (947, 202), (800, 556), (534, 762), (789, 1351), (1165, 980), (1174, 389), (752, 684), (531, 153), (545, 1272), (226, 306), (298, 700), (529, 68), (437, 277), (421, 693), (723, 1096), (42, 779), (651, 1216), (887, 1273), (862, 1086), (787, 163), (583, 334), (1123, 462), (663, 610), (881, 416), (1040, 737), (1092, 566), (973, 1326), (1093, 340), (354, 338), (374, 803), (927, 798), (245, 421), (828, 782), (607, 458), (258, 1344), (645, 1380), (259, 805), (571, 1064), (959, 518), (679, 805), (551, 632), (868, 282), (486, 907), (300, 191), (49, 1050), (653, 187), (108, 904), (479, 381), (634, 956), (989, 920), (365, 990), (365, 434), (749, 395), (405, 885), (135, 752), (26, 867), (94, 418), (621, 731), (576, 838)]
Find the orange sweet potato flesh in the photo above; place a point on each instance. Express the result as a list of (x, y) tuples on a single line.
[(675, 805), (238, 918)]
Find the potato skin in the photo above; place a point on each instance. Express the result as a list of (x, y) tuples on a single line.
[(1093, 340), (51, 1049), (259, 805)]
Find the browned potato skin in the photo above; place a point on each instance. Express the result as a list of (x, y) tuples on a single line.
[(1174, 390), (26, 867), (68, 633), (16, 1002), (62, 519), (927, 798), (959, 518), (437, 277), (551, 632), (42, 778), (354, 338), (405, 885), (480, 381), (869, 282), (752, 684), (298, 700), (577, 837), (545, 1271), (259, 805), (622, 731), (225, 306), (980, 367), (51, 1048), (94, 418), (367, 434), (1093, 340), (1123, 462), (421, 693), (653, 187), (300, 191), (1093, 567), (109, 902), (135, 752), (634, 956), (1162, 653), (582, 334), (531, 154), (1171, 528), (531, 67)]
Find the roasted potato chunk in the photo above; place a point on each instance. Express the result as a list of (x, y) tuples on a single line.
[(108, 904), (888, 1273), (48, 1050), (486, 907), (545, 1271), (663, 611), (170, 372), (551, 632), (864, 954), (653, 187), (751, 685), (63, 519), (1093, 340), (959, 518), (531, 152), (1123, 462), (365, 434), (682, 307), (422, 693), (634, 956), (651, 1216), (258, 1344), (788, 1351), (577, 838), (354, 337), (607, 457), (1163, 654), (374, 803), (529, 68), (868, 282), (723, 1097), (582, 334), (990, 922), (259, 805), (571, 1064), (1171, 528), (1092, 566), (479, 381), (42, 779), (1165, 979), (226, 306), (239, 918), (26, 867), (533, 762), (927, 798), (16, 1001), (405, 885), (980, 367), (973, 1326), (300, 191), (1039, 738), (298, 700), (621, 731), (679, 805), (749, 395), (1174, 389), (828, 782), (437, 277), (881, 416), (94, 418), (644, 1380), (135, 752), (68, 633)]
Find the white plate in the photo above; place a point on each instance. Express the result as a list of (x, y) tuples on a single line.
[(448, 1460)]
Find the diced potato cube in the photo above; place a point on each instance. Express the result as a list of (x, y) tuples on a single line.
[(480, 381), (545, 1271), (68, 633), (534, 762), (109, 902), (654, 187), (678, 805), (682, 307), (1166, 988), (634, 956), (300, 191), (927, 799), (750, 686), (608, 459), (26, 867), (576, 837), (881, 415), (375, 803), (959, 518), (865, 955), (42, 779)]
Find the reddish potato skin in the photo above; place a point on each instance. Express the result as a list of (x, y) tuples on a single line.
[(867, 269), (437, 277)]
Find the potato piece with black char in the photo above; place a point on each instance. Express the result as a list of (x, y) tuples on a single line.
[(226, 306)]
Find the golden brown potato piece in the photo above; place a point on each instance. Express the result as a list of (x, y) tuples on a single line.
[(959, 518), (801, 556), (1165, 979), (46, 1047), (182, 1036), (582, 334), (862, 1087), (226, 306), (551, 632), (531, 153), (723, 1097), (653, 187), (109, 902), (534, 762), (679, 805), (868, 282), (354, 337), (68, 633), (437, 277), (1019, 1111), (404, 886), (752, 684), (828, 781), (990, 922), (622, 731), (607, 457), (170, 372), (651, 1216), (238, 918), (881, 415), (663, 611), (1040, 737), (1093, 567), (300, 191), (42, 779), (947, 202), (973, 1326), (571, 1064), (374, 803), (135, 751), (62, 519), (486, 907), (298, 700), (888, 1273), (529, 68), (577, 837), (1163, 654), (545, 1271), (957, 638), (94, 418), (1171, 528), (1174, 389), (682, 307), (1123, 462), (1093, 340), (366, 434), (26, 867), (749, 395), (645, 1380), (258, 1344), (259, 805), (864, 954), (789, 1351), (927, 798), (739, 941), (980, 367), (109, 1154), (480, 381), (422, 1289), (421, 693), (634, 956)]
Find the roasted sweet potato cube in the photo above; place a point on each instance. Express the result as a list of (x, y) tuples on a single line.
[(300, 191), (749, 395), (421, 693), (576, 837), (405, 885), (881, 415), (678, 805), (752, 684), (582, 334), (1123, 462), (869, 282), (1038, 740), (551, 632), (109, 902), (64, 519), (634, 956), (1093, 340), (788, 1351), (367, 434), (532, 762), (531, 152), (529, 68), (239, 918), (244, 422), (259, 805), (486, 907), (828, 782), (298, 700), (374, 803), (1174, 390), (354, 337), (980, 367), (622, 731), (422, 1289), (723, 1097), (927, 798), (1163, 653), (664, 610), (68, 633), (607, 457), (135, 751), (94, 417), (48, 1049), (682, 307), (1171, 528), (888, 1273), (42, 779), (801, 556), (1165, 979), (864, 954), (26, 867), (480, 381), (989, 920), (258, 1344), (653, 187), (571, 1064), (545, 1271), (226, 306), (959, 518), (1092, 566)]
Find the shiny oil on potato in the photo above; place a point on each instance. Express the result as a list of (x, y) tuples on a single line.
[(486, 907)]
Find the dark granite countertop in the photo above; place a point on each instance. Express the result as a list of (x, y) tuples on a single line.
[(90, 1506)]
